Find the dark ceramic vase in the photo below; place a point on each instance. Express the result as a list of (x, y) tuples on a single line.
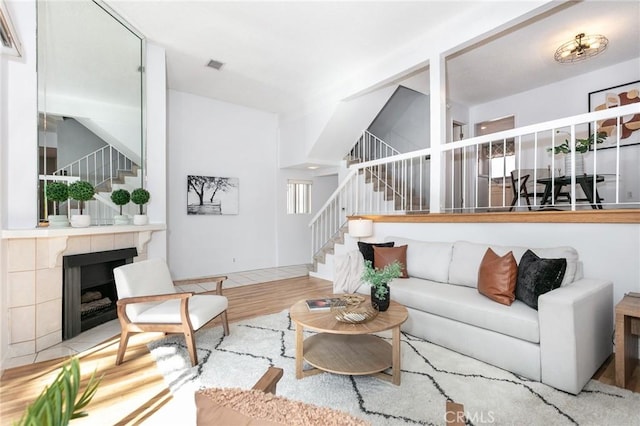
[(380, 305)]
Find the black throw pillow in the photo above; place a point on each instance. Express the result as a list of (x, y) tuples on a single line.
[(538, 276), (367, 249)]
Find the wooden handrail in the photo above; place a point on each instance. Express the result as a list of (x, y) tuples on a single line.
[(581, 216)]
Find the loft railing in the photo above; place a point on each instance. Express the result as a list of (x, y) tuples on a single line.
[(471, 169)]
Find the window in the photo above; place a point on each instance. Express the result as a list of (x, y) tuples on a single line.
[(298, 196), (502, 166)]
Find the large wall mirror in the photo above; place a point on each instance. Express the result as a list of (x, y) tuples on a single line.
[(90, 104)]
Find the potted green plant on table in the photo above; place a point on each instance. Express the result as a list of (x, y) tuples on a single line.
[(57, 192), (582, 146), (378, 280), (140, 197), (120, 197), (81, 191)]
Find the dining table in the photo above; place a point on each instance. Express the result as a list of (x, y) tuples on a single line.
[(585, 181)]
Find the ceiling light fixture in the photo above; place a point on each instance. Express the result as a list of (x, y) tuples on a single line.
[(580, 48), (216, 65)]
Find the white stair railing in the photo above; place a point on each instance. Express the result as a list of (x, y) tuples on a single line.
[(370, 147), (372, 185), (99, 167)]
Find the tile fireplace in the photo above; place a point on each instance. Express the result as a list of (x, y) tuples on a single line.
[(34, 277), (88, 289)]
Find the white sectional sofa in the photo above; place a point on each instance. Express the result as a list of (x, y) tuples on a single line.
[(562, 344)]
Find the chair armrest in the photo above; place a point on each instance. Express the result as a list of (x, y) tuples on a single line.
[(154, 298), (576, 326), (216, 279), (267, 383)]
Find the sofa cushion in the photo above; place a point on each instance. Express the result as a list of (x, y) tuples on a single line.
[(384, 256), (497, 277), (466, 258), (464, 304), (538, 276), (367, 249), (425, 259)]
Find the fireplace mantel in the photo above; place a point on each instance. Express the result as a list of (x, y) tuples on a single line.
[(91, 230), (34, 275)]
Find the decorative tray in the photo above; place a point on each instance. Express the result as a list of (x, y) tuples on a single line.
[(351, 310)]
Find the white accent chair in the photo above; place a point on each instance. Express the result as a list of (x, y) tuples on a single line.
[(148, 301)]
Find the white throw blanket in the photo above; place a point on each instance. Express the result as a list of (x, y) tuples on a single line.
[(348, 272)]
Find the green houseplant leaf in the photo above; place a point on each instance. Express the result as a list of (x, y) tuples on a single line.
[(59, 402), (120, 197), (140, 197), (582, 145), (378, 279), (56, 192), (81, 191)]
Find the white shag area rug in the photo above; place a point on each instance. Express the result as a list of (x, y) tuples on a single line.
[(430, 376)]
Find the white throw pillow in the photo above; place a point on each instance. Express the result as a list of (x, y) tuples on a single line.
[(425, 259)]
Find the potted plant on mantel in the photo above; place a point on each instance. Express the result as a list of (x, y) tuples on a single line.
[(582, 146), (120, 197), (81, 191), (140, 197), (379, 280), (57, 192)]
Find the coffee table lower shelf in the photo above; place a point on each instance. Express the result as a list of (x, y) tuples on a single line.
[(348, 354)]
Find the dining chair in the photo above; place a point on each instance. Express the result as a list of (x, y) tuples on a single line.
[(148, 302), (519, 185)]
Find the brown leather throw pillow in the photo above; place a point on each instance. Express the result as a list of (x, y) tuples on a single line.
[(497, 277), (383, 256)]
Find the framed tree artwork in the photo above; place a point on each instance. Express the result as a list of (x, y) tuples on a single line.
[(212, 195), (612, 97)]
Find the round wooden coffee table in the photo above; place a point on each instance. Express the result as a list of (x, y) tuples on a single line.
[(344, 348)]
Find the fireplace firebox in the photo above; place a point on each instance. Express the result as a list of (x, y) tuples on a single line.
[(88, 289)]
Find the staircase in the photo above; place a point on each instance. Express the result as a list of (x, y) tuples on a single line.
[(107, 169), (368, 188)]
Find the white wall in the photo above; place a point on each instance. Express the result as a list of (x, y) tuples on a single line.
[(560, 99), (19, 135), (214, 138), (155, 149), (403, 122), (293, 233), (607, 251)]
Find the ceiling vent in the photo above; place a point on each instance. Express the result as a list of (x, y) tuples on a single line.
[(215, 64)]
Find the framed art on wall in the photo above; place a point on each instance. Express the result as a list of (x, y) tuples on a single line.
[(612, 97), (212, 195)]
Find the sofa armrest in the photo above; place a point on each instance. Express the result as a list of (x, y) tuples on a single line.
[(576, 326)]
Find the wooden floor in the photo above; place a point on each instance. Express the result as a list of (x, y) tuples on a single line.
[(133, 391)]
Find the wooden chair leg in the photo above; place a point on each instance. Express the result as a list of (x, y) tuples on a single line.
[(225, 323), (190, 338), (267, 383), (122, 347)]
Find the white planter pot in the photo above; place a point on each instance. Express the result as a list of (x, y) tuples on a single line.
[(121, 219), (579, 165), (80, 220), (140, 219), (58, 221)]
